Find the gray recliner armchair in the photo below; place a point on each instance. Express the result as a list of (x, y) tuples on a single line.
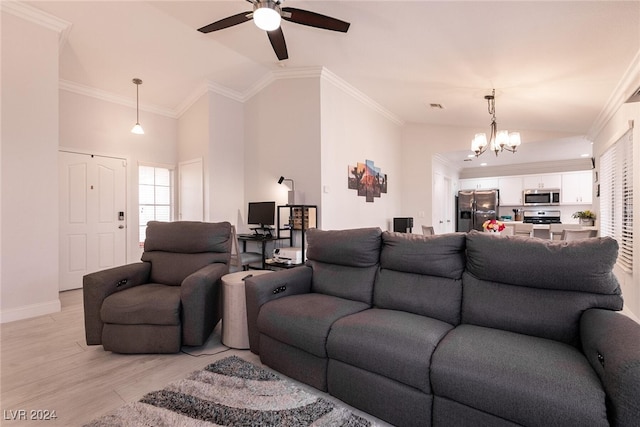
[(170, 299)]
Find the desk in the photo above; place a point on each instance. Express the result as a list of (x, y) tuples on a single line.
[(244, 238)]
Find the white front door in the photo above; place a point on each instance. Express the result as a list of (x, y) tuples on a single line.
[(92, 215)]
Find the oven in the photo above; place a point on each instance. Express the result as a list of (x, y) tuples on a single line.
[(541, 217), (541, 197)]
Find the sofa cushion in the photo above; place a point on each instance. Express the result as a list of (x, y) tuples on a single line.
[(394, 344), (422, 274), (178, 249), (355, 283), (440, 255), (188, 237), (303, 321), (580, 265), (344, 262), (150, 304), (171, 268), (524, 379), (552, 314), (355, 248)]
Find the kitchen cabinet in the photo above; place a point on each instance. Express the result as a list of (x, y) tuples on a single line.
[(478, 184), (577, 188), (542, 181), (510, 191)]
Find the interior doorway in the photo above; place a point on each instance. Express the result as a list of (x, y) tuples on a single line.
[(93, 215)]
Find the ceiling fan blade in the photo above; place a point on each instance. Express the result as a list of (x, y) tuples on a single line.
[(313, 19), (227, 22), (276, 37)]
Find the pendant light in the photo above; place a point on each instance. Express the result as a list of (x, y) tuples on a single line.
[(137, 129), (499, 140)]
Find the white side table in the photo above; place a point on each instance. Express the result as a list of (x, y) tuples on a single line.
[(235, 333)]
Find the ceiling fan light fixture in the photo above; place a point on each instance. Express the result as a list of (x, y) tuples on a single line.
[(266, 15)]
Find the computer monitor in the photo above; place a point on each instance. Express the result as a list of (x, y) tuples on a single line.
[(262, 214)]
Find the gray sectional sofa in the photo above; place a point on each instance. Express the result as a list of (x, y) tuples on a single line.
[(454, 330)]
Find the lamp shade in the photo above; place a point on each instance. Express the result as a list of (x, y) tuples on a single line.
[(266, 17), (137, 129)]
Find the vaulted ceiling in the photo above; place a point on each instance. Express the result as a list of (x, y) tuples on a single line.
[(554, 64)]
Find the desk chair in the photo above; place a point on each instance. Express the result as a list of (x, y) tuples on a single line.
[(241, 260), (578, 234), (427, 230)]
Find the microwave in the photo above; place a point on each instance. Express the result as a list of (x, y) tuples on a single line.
[(541, 197)]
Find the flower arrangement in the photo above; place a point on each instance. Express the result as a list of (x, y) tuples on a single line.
[(588, 215), (493, 226)]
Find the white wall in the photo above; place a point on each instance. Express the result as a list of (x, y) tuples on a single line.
[(615, 128), (226, 159), (91, 125), (29, 218), (282, 138), (213, 129), (352, 132), (419, 144)]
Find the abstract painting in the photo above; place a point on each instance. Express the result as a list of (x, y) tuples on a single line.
[(367, 179)]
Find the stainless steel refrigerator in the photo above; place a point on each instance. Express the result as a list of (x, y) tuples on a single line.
[(474, 207)]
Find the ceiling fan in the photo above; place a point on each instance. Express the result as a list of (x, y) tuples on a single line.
[(267, 15)]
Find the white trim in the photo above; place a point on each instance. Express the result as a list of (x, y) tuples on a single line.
[(39, 17), (29, 311), (103, 95), (626, 87), (350, 90), (211, 86), (630, 314)]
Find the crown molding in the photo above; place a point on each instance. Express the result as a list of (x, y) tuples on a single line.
[(211, 86), (39, 17), (360, 96), (113, 98), (516, 169), (627, 86)]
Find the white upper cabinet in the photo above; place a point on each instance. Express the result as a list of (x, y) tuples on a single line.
[(577, 188), (510, 190), (542, 181), (478, 184)]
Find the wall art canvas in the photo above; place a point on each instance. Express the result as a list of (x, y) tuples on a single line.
[(367, 179)]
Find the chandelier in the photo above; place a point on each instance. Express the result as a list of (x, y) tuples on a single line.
[(499, 140)]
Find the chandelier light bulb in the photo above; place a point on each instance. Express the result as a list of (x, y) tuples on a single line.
[(267, 16), (499, 140)]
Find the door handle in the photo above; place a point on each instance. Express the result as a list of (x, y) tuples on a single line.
[(121, 227)]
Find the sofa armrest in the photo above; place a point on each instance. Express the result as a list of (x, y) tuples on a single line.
[(99, 285), (611, 342), (267, 287), (201, 305)]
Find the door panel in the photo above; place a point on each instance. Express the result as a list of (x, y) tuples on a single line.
[(92, 238)]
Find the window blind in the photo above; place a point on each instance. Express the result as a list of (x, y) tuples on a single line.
[(616, 197)]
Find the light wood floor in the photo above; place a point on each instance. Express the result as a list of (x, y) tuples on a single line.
[(46, 365)]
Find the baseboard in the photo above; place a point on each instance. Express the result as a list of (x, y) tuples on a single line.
[(29, 311)]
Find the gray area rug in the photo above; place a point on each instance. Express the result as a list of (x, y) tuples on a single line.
[(231, 392)]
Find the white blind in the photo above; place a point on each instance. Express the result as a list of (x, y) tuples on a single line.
[(616, 197)]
